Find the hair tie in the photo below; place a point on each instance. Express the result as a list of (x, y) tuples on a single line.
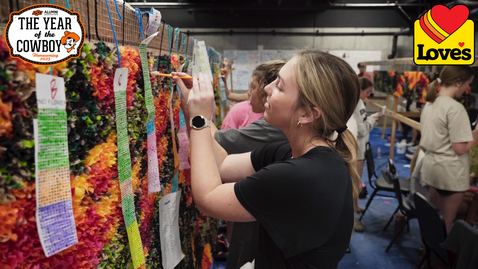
[(341, 130), (439, 80)]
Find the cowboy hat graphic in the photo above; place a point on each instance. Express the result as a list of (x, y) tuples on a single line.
[(69, 40)]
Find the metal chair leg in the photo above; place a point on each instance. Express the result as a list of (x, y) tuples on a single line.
[(368, 203), (422, 260), (397, 235), (429, 262), (426, 256), (390, 220)]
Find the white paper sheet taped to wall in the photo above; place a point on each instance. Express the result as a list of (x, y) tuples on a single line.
[(245, 61), (169, 230), (154, 22), (201, 60)]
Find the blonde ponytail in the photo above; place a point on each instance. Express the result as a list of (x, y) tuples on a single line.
[(346, 147)]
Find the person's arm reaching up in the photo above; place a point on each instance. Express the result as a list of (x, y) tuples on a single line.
[(211, 196), (226, 167), (237, 97)]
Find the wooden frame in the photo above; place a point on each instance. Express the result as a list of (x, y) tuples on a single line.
[(404, 117), (397, 117)]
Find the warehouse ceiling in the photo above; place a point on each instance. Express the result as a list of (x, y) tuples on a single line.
[(231, 14)]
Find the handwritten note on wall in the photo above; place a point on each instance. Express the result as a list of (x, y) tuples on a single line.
[(55, 221), (169, 230), (124, 168), (154, 184), (201, 60)]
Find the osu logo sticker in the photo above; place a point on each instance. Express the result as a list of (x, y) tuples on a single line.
[(444, 36), (45, 34)]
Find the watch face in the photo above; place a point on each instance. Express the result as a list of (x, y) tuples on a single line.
[(198, 122)]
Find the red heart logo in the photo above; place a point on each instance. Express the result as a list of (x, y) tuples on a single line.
[(461, 44), (452, 19)]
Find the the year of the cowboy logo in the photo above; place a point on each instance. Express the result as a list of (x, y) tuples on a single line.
[(45, 34), (444, 36)]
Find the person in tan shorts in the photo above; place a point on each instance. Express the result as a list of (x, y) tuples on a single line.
[(447, 139)]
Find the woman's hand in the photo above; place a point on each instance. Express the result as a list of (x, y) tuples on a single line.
[(224, 72), (377, 116), (185, 85), (224, 75), (201, 97)]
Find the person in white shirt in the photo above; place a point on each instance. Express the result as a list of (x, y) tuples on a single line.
[(365, 123)]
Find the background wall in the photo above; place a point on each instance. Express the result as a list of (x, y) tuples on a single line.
[(251, 42)]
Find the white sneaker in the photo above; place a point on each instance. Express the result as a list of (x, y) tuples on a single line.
[(410, 144), (412, 149), (388, 144), (409, 156), (403, 142)]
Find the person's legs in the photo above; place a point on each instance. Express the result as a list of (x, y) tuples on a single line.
[(415, 133), (447, 204), (450, 206), (414, 136), (433, 194), (357, 224), (400, 126), (406, 130)]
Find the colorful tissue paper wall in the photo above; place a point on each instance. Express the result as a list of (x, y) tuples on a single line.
[(215, 61), (95, 188), (409, 85)]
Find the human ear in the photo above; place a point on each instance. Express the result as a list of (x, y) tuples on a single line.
[(309, 115)]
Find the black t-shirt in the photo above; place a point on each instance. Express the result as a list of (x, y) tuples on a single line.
[(304, 207)]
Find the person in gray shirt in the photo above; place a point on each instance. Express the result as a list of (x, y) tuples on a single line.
[(254, 136), (258, 133), (243, 245)]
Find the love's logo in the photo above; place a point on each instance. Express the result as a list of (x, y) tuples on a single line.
[(444, 36)]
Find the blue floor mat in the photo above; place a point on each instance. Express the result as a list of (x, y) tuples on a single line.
[(368, 248), (218, 265)]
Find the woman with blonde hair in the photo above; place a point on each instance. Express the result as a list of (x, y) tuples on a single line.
[(242, 236), (302, 192), (446, 140)]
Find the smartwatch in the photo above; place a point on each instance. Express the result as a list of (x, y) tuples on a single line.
[(199, 122)]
